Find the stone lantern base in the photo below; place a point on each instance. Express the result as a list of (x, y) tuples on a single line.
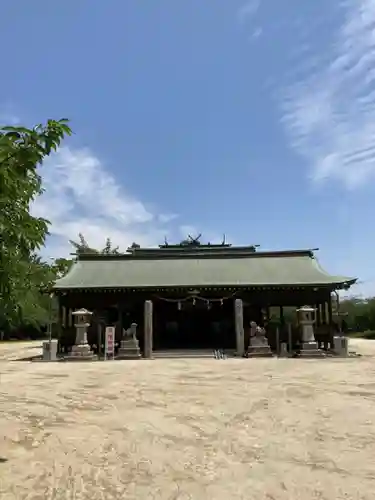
[(129, 349), (311, 350), (81, 352)]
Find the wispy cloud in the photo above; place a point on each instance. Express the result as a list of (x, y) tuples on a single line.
[(330, 114), (248, 10), (81, 195), (8, 118)]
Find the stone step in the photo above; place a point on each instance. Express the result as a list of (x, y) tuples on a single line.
[(184, 353)]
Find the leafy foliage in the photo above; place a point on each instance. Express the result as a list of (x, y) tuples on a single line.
[(22, 150), (360, 314), (61, 267)]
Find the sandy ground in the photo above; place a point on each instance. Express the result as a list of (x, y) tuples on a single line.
[(181, 429)]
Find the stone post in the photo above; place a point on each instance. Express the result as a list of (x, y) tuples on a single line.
[(81, 350), (238, 321), (309, 347), (278, 346), (50, 350), (340, 346), (148, 330)]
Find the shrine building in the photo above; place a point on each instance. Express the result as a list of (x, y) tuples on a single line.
[(196, 296)]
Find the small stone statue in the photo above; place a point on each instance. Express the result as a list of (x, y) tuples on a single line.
[(129, 344), (130, 333), (257, 334), (258, 345), (253, 328)]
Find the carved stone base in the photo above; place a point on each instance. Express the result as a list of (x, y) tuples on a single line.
[(129, 349), (259, 352), (259, 347), (311, 350), (81, 352)]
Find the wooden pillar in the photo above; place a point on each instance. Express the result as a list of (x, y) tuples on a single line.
[(148, 330), (330, 321), (282, 319), (290, 338), (277, 340), (63, 316), (69, 317), (120, 321), (238, 321), (318, 315), (268, 314), (59, 323), (329, 307), (324, 313)]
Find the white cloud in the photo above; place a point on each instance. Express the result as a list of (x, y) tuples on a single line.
[(164, 218), (362, 289), (257, 33), (186, 229), (330, 115), (8, 115), (82, 196), (8, 119), (248, 10)]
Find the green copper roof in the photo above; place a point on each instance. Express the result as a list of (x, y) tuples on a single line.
[(142, 269)]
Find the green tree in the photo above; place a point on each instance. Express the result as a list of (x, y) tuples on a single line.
[(61, 267), (360, 313), (22, 150)]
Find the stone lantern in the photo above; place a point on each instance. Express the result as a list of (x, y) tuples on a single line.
[(81, 350), (306, 320)]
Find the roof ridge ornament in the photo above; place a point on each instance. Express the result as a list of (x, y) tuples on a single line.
[(194, 242)]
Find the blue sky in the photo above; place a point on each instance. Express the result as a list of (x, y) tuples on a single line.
[(254, 119)]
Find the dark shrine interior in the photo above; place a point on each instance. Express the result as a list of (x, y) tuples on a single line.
[(194, 325)]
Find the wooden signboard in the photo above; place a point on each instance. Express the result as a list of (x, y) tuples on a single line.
[(109, 347)]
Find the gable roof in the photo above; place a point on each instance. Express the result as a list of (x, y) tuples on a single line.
[(208, 267)]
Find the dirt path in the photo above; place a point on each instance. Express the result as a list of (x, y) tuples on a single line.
[(181, 429)]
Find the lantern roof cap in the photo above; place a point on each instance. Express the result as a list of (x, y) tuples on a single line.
[(307, 309), (82, 312)]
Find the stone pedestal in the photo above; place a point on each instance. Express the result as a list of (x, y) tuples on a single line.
[(262, 351), (129, 349), (81, 350), (311, 350)]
